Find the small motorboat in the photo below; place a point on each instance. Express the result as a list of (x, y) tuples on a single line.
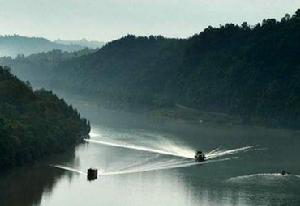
[(92, 174), (199, 156), (283, 173)]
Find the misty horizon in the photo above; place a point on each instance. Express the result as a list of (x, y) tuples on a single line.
[(149, 102), (111, 19)]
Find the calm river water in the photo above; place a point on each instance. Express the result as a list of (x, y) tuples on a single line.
[(148, 161)]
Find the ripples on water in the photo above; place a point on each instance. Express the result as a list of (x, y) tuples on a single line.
[(264, 179), (181, 156), (117, 152)]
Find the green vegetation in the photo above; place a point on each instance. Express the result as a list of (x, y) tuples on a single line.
[(250, 72), (34, 124), (37, 68)]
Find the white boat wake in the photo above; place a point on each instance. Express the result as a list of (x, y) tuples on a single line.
[(157, 163), (268, 179), (70, 169), (175, 156), (185, 154), (216, 153), (173, 150), (161, 166)]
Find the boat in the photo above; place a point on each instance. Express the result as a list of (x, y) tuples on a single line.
[(199, 156), (283, 173), (92, 174)]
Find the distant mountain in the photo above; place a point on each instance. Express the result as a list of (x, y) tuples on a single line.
[(82, 42), (37, 68), (13, 45), (250, 72)]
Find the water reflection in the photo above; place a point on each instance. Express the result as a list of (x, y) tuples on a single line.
[(25, 186), (217, 183)]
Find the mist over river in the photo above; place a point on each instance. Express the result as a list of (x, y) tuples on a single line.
[(145, 161)]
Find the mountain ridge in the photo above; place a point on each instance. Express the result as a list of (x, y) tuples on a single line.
[(13, 45), (251, 72)]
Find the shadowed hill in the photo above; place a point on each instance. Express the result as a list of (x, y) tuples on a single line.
[(34, 124), (251, 72)]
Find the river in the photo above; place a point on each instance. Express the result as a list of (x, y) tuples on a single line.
[(149, 161)]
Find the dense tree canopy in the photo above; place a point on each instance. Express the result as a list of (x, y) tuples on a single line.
[(34, 123), (252, 72)]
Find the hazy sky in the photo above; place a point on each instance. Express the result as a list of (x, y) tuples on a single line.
[(111, 19)]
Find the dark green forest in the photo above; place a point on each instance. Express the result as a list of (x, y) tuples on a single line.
[(250, 72), (34, 124)]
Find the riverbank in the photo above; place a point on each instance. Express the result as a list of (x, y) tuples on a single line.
[(34, 124)]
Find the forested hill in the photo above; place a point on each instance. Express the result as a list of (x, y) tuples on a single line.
[(21, 45), (34, 124), (37, 68), (252, 72)]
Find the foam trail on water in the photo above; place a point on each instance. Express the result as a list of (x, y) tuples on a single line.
[(165, 147), (69, 169), (160, 143), (146, 161), (270, 179), (216, 153), (148, 169), (165, 167), (248, 177), (141, 148), (158, 165), (179, 164), (184, 153)]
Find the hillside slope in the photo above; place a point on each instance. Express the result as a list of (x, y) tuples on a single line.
[(34, 124), (251, 72)]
